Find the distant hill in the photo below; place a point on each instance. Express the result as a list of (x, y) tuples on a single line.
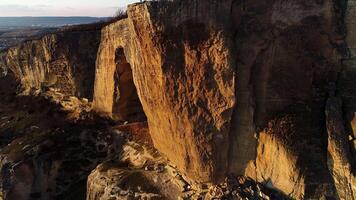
[(44, 22)]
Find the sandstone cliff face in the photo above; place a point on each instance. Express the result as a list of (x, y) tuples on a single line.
[(185, 82), (64, 60), (242, 87), (184, 72), (261, 89), (115, 94)]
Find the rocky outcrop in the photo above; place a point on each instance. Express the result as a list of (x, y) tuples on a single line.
[(175, 98), (184, 73), (248, 88), (294, 50), (244, 92), (43, 155), (140, 172), (64, 60), (115, 94)]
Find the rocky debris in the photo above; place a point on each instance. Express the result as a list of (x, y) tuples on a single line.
[(238, 188), (76, 108), (36, 167), (138, 173), (44, 153), (113, 182), (141, 173), (51, 164)]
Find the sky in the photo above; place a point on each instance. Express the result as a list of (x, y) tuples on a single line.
[(95, 8)]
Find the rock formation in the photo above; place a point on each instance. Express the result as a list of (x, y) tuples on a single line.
[(64, 60), (243, 92), (187, 67), (256, 89), (115, 94)]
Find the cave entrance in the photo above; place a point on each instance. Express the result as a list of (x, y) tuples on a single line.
[(126, 104)]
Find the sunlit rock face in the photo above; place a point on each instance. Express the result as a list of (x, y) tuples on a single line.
[(241, 87), (115, 94), (185, 83), (64, 60), (184, 69)]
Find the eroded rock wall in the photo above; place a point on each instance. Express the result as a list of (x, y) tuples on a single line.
[(115, 94), (293, 49), (240, 87), (348, 74), (184, 71), (64, 60)]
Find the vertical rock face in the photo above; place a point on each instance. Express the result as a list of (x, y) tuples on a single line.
[(115, 94), (241, 87), (340, 115), (184, 72), (292, 49), (63, 60), (348, 75)]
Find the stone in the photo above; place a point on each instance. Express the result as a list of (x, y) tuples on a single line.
[(262, 90), (339, 156), (115, 94), (183, 70), (63, 60), (108, 182), (236, 93), (128, 176)]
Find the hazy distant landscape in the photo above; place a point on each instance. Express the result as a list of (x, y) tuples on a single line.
[(16, 29), (20, 22)]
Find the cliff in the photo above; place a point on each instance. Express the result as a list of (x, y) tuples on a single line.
[(115, 94), (234, 92), (262, 89), (64, 60)]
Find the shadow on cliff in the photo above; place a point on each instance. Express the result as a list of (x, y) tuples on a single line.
[(301, 131), (41, 147)]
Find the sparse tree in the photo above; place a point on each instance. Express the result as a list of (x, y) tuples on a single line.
[(120, 14)]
